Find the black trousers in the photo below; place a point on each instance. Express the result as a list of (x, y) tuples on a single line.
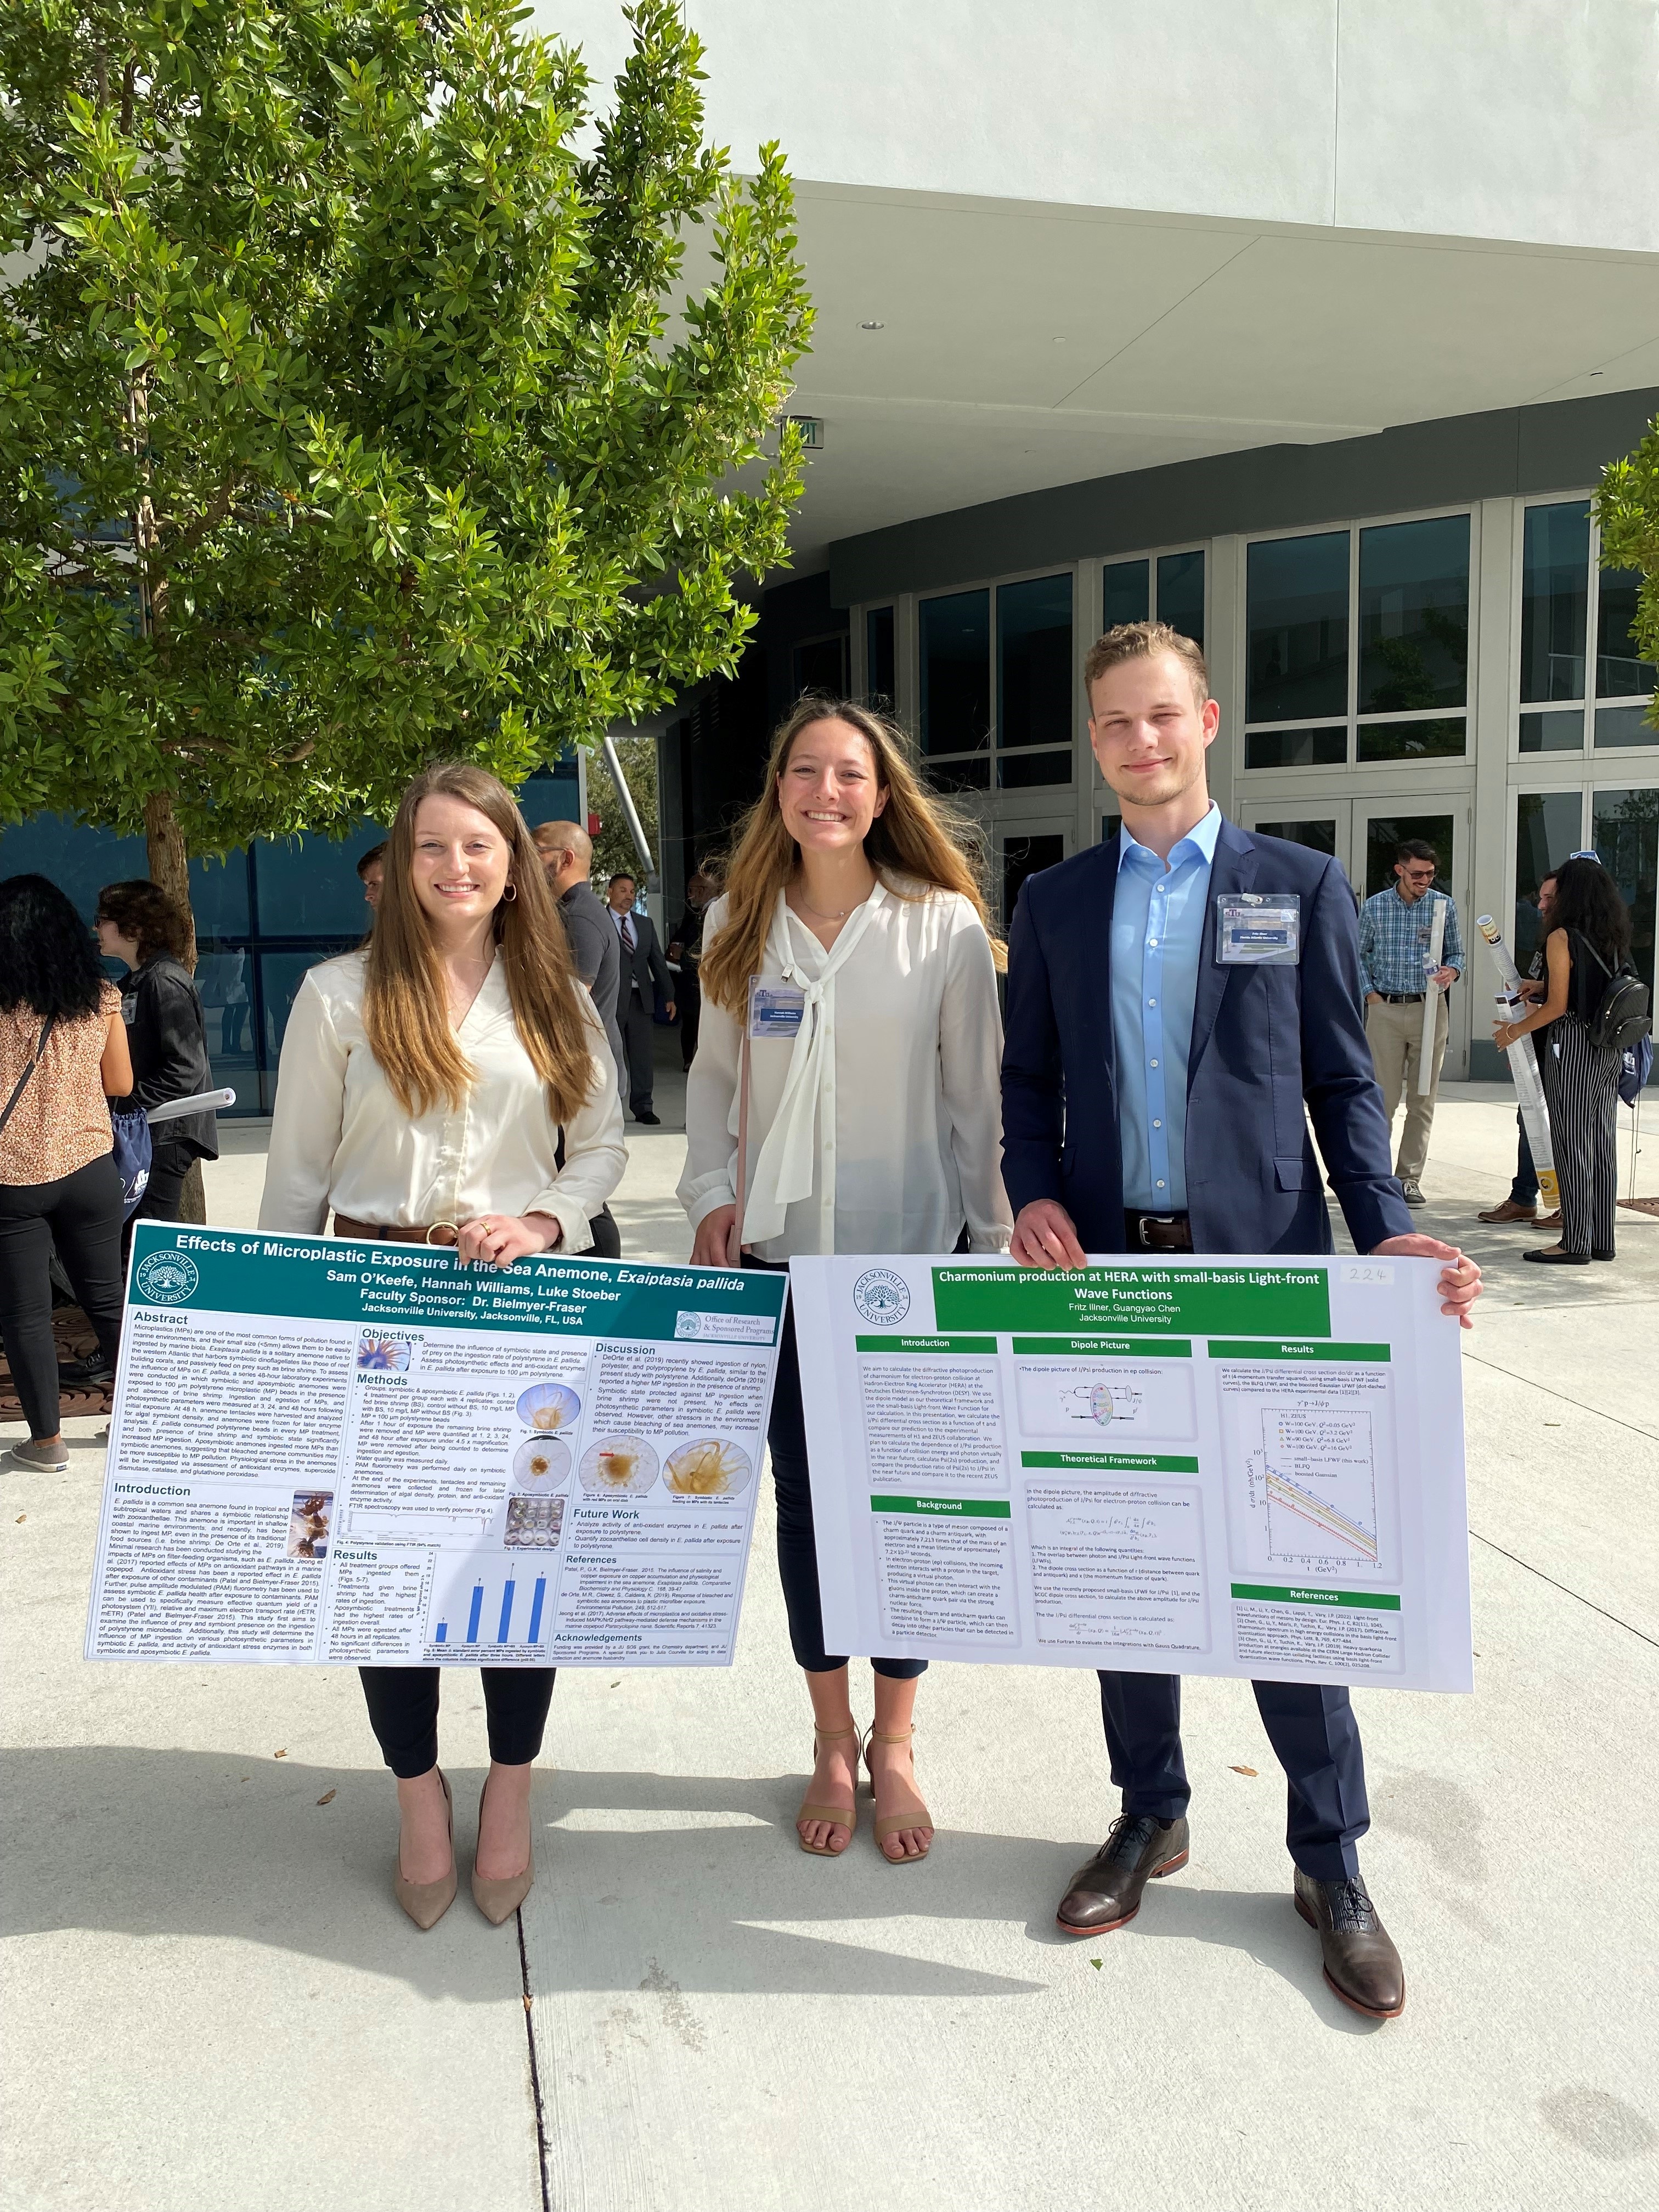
[(607, 1238), (1316, 1739), (81, 1214), (1583, 1083), (798, 1554), (688, 1000), (639, 1038), (403, 1711)]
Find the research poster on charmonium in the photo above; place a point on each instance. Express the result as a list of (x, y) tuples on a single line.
[(343, 1453), (1248, 1466)]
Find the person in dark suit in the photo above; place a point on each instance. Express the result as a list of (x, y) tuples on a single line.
[(1153, 1100), (643, 969)]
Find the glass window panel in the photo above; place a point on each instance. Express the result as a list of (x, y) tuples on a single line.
[(1181, 593), (1109, 826), (820, 665), (81, 861), (959, 774), (1020, 771), (1123, 593), (878, 656), (551, 795), (1553, 734), (1022, 857), (1319, 835), (1625, 726), (224, 976), (1414, 616), (1554, 600), (956, 673), (1033, 662), (281, 975), (1296, 617), (1625, 831), (1386, 833), (1547, 825), (1297, 747), (1620, 671), (1442, 739), (308, 886)]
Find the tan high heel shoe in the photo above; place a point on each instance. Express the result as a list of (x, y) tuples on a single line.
[(844, 1816), (890, 1823), (498, 1900), (427, 1902)]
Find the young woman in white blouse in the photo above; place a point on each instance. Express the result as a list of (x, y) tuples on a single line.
[(877, 1129), (424, 1084)]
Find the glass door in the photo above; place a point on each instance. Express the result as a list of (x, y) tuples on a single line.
[(1022, 848)]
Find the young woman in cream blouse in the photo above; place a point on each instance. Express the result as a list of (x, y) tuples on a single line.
[(877, 1129), (424, 1085)]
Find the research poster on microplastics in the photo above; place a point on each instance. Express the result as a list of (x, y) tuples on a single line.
[(338, 1453), (1247, 1467)]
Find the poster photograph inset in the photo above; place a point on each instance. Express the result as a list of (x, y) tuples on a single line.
[(1222, 1465)]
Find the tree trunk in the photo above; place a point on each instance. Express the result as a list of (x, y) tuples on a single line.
[(192, 1199), (169, 862)]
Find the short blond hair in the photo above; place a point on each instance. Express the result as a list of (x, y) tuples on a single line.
[(1145, 640)]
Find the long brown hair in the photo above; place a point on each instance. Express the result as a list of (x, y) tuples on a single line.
[(405, 1010), (916, 839)]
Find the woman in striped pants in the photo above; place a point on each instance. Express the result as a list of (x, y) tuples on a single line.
[(1589, 935)]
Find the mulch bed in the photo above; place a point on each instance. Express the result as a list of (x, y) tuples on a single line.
[(75, 1339), (1642, 1204)]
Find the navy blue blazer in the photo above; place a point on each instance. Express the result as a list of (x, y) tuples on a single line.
[(1264, 1040)]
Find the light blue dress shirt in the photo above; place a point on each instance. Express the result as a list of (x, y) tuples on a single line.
[(1158, 933)]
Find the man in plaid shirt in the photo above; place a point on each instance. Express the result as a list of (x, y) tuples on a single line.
[(1395, 930)]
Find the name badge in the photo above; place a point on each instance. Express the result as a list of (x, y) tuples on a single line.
[(1258, 929), (774, 1010)]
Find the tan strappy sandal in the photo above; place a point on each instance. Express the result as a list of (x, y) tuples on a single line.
[(844, 1816), (891, 1824)]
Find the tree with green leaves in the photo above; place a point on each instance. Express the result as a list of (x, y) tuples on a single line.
[(1627, 509), (358, 403)]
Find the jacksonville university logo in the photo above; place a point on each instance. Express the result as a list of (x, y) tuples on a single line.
[(166, 1279), (882, 1298)]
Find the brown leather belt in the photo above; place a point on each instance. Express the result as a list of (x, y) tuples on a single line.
[(1156, 1233), (439, 1232)]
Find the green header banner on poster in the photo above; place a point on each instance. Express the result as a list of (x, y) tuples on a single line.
[(326, 1278), (1245, 1300)]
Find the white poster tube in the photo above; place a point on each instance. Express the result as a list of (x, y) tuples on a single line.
[(1430, 998), (1523, 1066), (203, 1102)]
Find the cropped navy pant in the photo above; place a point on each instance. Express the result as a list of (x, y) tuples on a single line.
[(1314, 1735), (798, 1555)]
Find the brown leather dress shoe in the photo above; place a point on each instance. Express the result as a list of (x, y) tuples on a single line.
[(1510, 1211), (1106, 1893), (1361, 1964)]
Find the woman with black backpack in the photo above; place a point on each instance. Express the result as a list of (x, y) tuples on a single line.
[(1593, 998)]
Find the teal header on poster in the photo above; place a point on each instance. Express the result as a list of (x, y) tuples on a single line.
[(244, 1271)]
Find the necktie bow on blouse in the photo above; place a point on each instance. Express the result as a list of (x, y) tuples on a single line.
[(788, 1161)]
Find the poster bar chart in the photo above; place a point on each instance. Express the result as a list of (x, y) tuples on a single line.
[(506, 1622)]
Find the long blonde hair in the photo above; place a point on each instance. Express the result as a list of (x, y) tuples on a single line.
[(915, 840), (406, 1008)]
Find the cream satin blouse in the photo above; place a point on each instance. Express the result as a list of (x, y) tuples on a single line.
[(340, 1141)]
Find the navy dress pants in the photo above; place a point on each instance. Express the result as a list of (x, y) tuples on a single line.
[(1314, 1737)]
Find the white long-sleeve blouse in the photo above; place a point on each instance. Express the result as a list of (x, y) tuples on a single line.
[(340, 1139), (879, 1126)]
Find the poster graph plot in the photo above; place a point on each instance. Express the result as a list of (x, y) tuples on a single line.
[(1315, 1480), (488, 1604)]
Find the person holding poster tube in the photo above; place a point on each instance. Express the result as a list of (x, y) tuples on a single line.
[(844, 1094), (1157, 1100), (1519, 1208), (1589, 936), (1411, 952), (424, 1082)]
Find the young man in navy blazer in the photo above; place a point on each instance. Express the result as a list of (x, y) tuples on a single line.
[(1152, 1100)]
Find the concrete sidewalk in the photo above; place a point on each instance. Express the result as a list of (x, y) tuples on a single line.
[(213, 2000)]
